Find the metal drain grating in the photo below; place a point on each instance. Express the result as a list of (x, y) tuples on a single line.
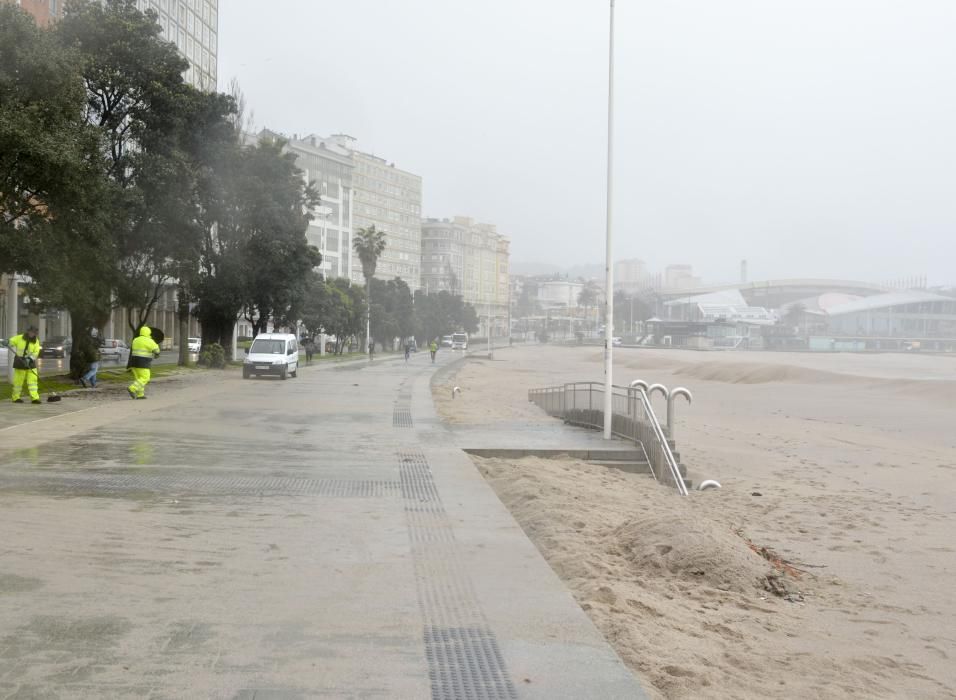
[(463, 657), (416, 480), (402, 417), (465, 662), (118, 484)]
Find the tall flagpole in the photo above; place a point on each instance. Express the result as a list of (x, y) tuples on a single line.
[(609, 263)]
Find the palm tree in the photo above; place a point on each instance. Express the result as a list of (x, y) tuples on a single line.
[(369, 244)]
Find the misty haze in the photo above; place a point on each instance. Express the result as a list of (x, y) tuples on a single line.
[(485, 350)]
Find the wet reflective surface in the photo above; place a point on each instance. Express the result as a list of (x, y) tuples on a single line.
[(314, 537)]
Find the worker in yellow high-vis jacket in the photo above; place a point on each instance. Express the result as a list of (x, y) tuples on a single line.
[(26, 351), (142, 352)]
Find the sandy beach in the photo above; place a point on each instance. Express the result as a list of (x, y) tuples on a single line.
[(839, 468)]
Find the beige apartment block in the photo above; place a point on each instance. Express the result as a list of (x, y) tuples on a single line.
[(390, 199), (466, 257)]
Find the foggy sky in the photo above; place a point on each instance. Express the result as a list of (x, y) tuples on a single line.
[(811, 137)]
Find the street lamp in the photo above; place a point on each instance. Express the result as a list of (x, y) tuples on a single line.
[(609, 267)]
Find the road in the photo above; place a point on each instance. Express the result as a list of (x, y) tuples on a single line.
[(315, 537)]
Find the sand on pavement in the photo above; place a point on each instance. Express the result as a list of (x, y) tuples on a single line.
[(839, 468)]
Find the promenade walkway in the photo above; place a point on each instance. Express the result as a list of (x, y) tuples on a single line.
[(319, 537)]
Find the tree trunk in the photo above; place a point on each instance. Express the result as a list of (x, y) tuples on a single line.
[(84, 346), (218, 327), (182, 316)]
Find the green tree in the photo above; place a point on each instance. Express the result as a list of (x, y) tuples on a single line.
[(138, 104), (277, 258), (349, 312), (369, 244), (254, 255), (393, 310), (442, 313), (45, 145)]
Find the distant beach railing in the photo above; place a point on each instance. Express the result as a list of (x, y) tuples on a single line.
[(632, 418)]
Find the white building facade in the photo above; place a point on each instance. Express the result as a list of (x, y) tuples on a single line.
[(466, 257), (328, 167), (193, 25), (390, 199)]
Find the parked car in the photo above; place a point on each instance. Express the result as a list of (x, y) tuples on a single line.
[(272, 353), (113, 349), (195, 344), (446, 341), (57, 346), (616, 341)]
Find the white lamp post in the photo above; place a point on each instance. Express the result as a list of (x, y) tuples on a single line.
[(609, 265)]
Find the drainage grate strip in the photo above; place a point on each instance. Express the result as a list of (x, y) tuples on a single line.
[(464, 660), (402, 417), (118, 484)]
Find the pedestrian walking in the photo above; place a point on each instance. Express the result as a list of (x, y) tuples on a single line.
[(142, 353), (90, 376), (309, 350), (408, 350), (433, 349), (26, 350)]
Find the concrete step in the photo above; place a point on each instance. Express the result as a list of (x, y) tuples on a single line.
[(573, 452), (616, 455), (632, 467)]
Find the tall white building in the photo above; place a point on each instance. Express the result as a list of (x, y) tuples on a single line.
[(329, 167), (193, 25), (390, 199)]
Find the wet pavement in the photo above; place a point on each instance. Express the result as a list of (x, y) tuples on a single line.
[(322, 536)]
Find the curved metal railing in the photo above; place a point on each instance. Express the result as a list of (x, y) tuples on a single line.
[(633, 418)]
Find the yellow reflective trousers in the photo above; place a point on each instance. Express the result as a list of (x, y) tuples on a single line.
[(140, 380), (30, 377)]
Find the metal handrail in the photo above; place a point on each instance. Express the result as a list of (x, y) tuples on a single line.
[(566, 402), (663, 443)]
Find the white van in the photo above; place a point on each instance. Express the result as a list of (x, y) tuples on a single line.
[(459, 341), (272, 353)]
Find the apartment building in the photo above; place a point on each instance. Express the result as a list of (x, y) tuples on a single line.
[(390, 199), (466, 257), (329, 167), (193, 25)]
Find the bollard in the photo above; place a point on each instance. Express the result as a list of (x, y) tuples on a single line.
[(678, 391)]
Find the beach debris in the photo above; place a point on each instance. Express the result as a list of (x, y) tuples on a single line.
[(708, 484), (782, 588), (756, 493), (776, 561)]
